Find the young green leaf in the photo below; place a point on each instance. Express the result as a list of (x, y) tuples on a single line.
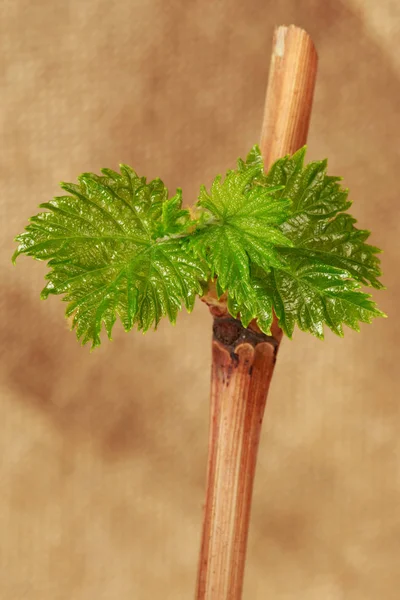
[(318, 226), (114, 248), (311, 294), (242, 228)]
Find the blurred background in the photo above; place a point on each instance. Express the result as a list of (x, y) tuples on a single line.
[(103, 455)]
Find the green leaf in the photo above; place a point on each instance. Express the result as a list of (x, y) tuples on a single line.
[(338, 242), (311, 294), (318, 226), (242, 227), (115, 248)]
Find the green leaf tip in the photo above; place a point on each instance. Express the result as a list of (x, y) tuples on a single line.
[(118, 247)]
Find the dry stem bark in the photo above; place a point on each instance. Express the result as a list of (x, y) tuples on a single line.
[(243, 359)]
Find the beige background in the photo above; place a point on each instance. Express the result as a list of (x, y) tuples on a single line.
[(103, 455)]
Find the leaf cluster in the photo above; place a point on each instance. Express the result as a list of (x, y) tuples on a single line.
[(278, 242)]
